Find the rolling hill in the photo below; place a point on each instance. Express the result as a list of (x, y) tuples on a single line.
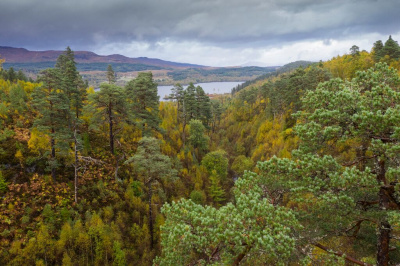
[(93, 67)]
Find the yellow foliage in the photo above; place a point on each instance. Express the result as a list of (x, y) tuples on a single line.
[(90, 90), (38, 141), (346, 66), (3, 110), (19, 156)]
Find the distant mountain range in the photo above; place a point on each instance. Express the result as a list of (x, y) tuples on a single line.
[(22, 55), (93, 67)]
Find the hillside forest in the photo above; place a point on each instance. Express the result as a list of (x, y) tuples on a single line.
[(299, 167)]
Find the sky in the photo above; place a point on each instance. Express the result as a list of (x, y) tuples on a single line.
[(205, 32)]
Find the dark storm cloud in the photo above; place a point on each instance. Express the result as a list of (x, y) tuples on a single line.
[(44, 24)]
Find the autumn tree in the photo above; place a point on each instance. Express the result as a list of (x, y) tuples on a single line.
[(153, 168)]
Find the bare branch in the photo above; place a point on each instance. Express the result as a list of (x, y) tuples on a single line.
[(341, 254), (359, 160), (90, 160), (357, 226)]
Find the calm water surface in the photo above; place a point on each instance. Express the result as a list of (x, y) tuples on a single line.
[(209, 87)]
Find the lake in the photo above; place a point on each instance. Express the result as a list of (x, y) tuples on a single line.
[(209, 87)]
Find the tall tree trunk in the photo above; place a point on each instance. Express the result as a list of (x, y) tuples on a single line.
[(110, 119), (382, 258), (383, 244), (53, 156), (150, 216), (76, 167)]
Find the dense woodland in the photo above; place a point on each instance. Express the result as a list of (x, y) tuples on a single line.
[(300, 167)]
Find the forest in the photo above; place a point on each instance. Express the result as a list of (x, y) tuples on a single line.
[(299, 167)]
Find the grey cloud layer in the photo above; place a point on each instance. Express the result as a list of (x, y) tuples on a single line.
[(49, 23)]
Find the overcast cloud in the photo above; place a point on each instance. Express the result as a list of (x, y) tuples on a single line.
[(208, 32)]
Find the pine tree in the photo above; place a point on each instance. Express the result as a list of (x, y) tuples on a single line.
[(190, 108), (203, 106), (153, 167), (198, 139), (345, 171), (75, 89), (53, 108), (72, 82), (110, 75), (216, 192), (250, 230), (216, 112), (177, 94), (378, 50), (109, 105), (142, 93), (391, 48), (12, 76)]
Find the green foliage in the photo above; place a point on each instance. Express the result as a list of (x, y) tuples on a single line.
[(198, 139), (355, 50), (110, 74), (198, 197), (216, 163), (339, 192), (241, 164), (142, 93), (251, 228), (52, 104), (391, 48), (150, 162), (109, 106), (218, 74), (273, 73), (216, 192), (154, 168), (351, 124), (3, 184), (377, 49), (119, 255)]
